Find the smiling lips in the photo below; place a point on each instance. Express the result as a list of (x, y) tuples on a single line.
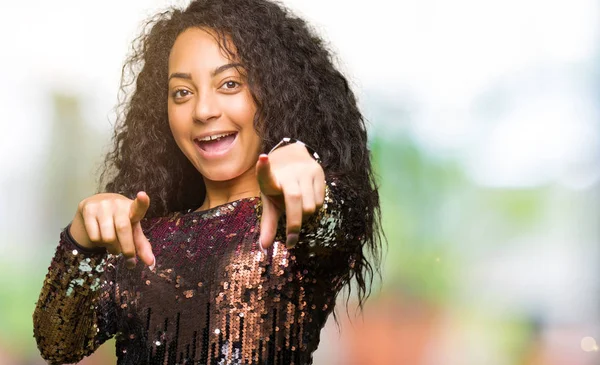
[(217, 144)]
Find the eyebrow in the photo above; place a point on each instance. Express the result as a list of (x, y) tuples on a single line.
[(180, 75), (227, 66), (216, 71)]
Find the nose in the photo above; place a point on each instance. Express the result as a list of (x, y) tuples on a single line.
[(206, 108)]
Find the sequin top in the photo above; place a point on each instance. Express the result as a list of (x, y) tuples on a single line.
[(213, 297)]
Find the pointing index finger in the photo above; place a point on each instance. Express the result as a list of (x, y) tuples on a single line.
[(139, 207), (266, 180)]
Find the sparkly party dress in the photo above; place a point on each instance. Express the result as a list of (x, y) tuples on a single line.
[(213, 298)]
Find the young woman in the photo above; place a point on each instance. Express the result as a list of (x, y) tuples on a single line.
[(240, 256)]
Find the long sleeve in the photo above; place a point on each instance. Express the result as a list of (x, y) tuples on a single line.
[(75, 311), (332, 228)]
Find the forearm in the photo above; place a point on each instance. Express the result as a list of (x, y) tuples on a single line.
[(71, 315)]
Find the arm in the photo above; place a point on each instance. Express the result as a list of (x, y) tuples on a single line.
[(316, 213), (323, 232), (291, 180), (75, 311)]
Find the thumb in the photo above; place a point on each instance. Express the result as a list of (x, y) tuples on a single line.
[(266, 180), (139, 207), (268, 222)]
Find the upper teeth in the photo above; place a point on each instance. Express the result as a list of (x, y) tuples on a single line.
[(213, 137)]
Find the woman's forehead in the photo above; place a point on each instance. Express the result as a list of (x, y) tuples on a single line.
[(197, 44)]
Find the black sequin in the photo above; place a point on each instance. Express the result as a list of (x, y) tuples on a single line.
[(213, 297)]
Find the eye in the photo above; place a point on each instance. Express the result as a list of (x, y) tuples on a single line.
[(181, 93), (230, 85)]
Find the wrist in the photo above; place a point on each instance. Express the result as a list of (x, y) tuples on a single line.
[(288, 143)]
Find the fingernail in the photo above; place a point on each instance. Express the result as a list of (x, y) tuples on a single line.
[(261, 247), (130, 263), (292, 239), (151, 267)]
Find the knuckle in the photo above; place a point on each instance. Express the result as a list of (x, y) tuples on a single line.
[(108, 236), (87, 208), (128, 251), (294, 195), (106, 206), (293, 225), (310, 208), (121, 225), (93, 235), (106, 224)]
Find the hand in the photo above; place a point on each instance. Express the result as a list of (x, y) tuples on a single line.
[(290, 180), (113, 221)]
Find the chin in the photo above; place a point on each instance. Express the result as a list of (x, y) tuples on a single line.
[(222, 174)]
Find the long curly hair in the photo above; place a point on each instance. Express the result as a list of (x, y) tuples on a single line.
[(298, 92)]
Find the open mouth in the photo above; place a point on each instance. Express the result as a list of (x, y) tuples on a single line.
[(216, 144)]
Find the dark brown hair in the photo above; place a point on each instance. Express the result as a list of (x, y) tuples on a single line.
[(298, 91)]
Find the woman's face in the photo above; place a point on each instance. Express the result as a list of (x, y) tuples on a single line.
[(211, 110)]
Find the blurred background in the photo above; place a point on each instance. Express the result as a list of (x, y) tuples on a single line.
[(485, 129)]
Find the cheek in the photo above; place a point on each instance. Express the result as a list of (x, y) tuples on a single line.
[(243, 109), (180, 133), (177, 121)]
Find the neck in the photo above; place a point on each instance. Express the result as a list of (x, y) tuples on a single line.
[(222, 192)]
